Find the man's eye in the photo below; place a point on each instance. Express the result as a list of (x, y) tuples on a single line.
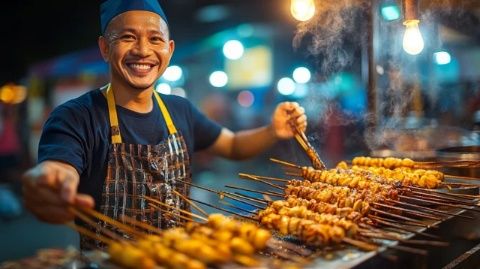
[(128, 37), (156, 39)]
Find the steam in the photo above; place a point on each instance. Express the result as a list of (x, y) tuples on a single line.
[(328, 32), (333, 38)]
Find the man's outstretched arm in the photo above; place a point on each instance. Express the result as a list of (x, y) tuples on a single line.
[(248, 143)]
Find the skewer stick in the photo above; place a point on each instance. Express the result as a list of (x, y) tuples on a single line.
[(255, 191), (293, 174), (301, 142), (428, 209), (432, 199), (465, 196), (385, 222), (459, 184), (256, 200), (237, 208), (267, 178), (285, 163), (380, 235), (245, 176), (249, 198), (175, 208), (140, 224), (461, 177), (420, 199), (98, 226), (409, 249), (225, 210), (360, 244), (419, 223), (110, 221), (171, 213), (415, 213), (83, 231), (221, 194), (242, 198), (191, 203), (442, 197)]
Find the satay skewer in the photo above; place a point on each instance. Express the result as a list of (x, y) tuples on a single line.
[(225, 210), (235, 207), (443, 197), (387, 223), (398, 216), (267, 178), (285, 163), (110, 221), (222, 195), (186, 199), (428, 209), (251, 177), (175, 208), (254, 191), (171, 213), (250, 198), (141, 224), (394, 201), (386, 236), (84, 231), (408, 211), (102, 229), (464, 196), (460, 177), (420, 199), (410, 220)]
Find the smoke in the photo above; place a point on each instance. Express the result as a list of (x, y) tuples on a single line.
[(328, 34), (333, 39)]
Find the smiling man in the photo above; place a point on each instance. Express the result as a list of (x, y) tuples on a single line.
[(113, 146)]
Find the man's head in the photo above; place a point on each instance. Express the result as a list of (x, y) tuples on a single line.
[(135, 41)]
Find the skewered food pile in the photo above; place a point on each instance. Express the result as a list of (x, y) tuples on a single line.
[(356, 205), (404, 175), (219, 240)]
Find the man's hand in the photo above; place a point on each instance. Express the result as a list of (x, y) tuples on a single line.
[(50, 188), (286, 114)]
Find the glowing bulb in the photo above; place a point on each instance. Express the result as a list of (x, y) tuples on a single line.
[(302, 10), (412, 40), (233, 49)]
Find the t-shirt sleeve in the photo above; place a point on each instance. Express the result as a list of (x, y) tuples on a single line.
[(64, 137), (205, 130)]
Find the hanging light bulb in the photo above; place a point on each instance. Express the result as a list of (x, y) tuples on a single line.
[(412, 40), (302, 10)]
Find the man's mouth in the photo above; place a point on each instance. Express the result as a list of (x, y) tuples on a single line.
[(140, 68)]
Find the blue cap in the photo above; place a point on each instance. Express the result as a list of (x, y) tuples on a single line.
[(111, 8)]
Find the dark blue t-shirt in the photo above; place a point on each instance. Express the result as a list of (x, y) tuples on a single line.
[(78, 133)]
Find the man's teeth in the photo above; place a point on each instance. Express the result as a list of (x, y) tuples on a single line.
[(140, 66)]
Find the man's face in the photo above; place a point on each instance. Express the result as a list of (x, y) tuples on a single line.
[(138, 48)]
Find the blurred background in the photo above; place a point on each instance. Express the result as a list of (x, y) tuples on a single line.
[(370, 83)]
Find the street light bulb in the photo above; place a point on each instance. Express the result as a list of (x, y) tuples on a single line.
[(412, 40), (302, 10)]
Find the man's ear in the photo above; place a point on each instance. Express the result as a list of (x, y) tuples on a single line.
[(103, 45), (171, 45)]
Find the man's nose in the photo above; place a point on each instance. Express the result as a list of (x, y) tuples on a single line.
[(142, 47)]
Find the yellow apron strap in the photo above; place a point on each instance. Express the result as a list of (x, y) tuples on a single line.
[(171, 127), (112, 113)]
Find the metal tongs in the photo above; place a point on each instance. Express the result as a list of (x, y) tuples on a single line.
[(302, 139)]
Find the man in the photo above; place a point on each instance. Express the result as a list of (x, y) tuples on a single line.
[(113, 146)]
